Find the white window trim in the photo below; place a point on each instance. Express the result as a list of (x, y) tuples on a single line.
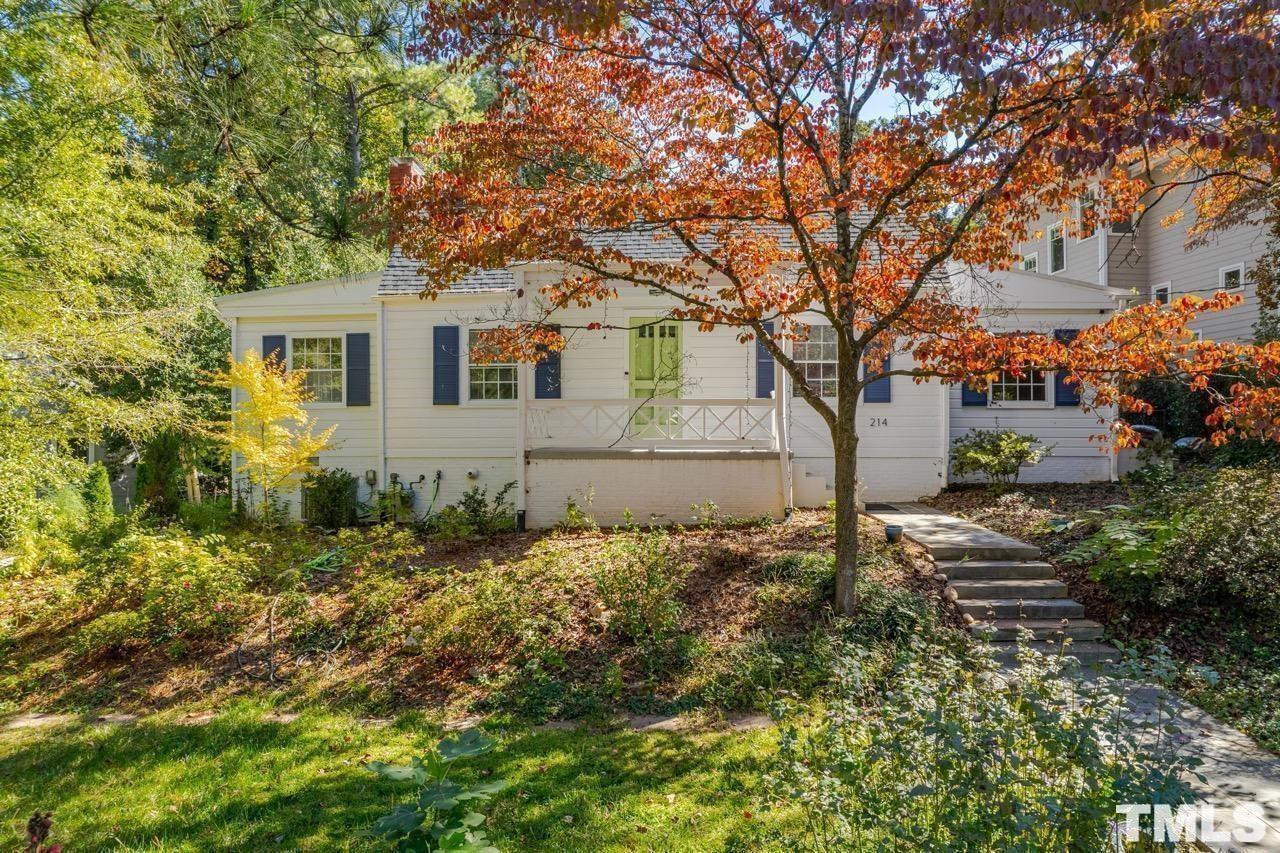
[(465, 364), (795, 382), (1035, 256), (1222, 277), (1047, 403), (1061, 226), (342, 371), (1097, 226), (1167, 287)]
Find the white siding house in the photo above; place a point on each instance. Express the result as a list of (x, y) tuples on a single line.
[(637, 413)]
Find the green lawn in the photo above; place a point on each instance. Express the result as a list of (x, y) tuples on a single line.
[(241, 782)]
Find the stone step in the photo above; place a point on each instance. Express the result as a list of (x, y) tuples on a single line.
[(1029, 608), (1010, 588), (1086, 653), (958, 570), (1079, 630), (1010, 550)]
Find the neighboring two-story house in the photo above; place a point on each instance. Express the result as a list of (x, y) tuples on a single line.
[(1155, 260), (647, 414)]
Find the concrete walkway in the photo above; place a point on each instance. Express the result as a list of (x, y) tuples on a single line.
[(980, 563)]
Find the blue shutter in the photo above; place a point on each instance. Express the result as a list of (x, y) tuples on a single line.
[(1064, 394), (971, 396), (764, 367), (445, 354), (273, 346), (546, 376), (879, 391), (358, 369)]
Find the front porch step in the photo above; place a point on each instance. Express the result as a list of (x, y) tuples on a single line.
[(1009, 588), (959, 570), (1007, 630), (1086, 653), (1030, 608)]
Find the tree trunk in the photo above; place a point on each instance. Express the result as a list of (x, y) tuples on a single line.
[(844, 442), (355, 164)]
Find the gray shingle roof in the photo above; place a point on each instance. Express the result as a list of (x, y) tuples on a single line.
[(645, 243), (401, 278)]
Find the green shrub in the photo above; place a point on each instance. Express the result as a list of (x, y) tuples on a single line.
[(488, 516), (890, 615), (813, 573), (1226, 545), (954, 758), (998, 455), (1125, 550), (475, 515), (577, 515), (329, 499), (212, 515), (507, 613), (441, 816), (180, 586), (1197, 537), (638, 576), (99, 506), (159, 482), (111, 632)]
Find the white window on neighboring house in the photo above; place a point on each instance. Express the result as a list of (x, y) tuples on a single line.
[(321, 359), (1031, 390), (1031, 262), (1087, 221), (1161, 293), (1057, 248), (817, 360), (1231, 278), (489, 380)]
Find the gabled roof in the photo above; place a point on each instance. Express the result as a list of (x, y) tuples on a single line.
[(645, 243), (1021, 290)]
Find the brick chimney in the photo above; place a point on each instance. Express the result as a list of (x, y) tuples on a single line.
[(401, 172)]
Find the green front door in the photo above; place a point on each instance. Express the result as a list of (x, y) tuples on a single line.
[(655, 372)]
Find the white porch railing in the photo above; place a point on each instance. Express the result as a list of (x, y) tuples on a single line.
[(654, 423)]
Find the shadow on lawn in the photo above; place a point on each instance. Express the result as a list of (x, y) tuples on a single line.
[(238, 782)]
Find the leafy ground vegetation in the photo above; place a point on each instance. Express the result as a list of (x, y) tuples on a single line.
[(291, 687), (1185, 555), (140, 617)]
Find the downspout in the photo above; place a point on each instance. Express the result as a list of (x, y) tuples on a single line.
[(782, 435), (523, 389), (1104, 255), (382, 394)]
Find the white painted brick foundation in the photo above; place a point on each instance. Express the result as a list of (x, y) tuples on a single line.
[(661, 484)]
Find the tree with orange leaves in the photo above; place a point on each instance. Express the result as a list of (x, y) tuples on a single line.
[(739, 130)]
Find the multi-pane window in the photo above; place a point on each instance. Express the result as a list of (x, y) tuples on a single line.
[(1057, 249), (1031, 262), (490, 380), (1030, 387), (1088, 220), (321, 359), (1231, 278), (817, 360)]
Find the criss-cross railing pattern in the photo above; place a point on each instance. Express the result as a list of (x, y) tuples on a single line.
[(651, 423)]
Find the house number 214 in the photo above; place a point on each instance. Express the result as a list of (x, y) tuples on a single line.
[(879, 422)]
